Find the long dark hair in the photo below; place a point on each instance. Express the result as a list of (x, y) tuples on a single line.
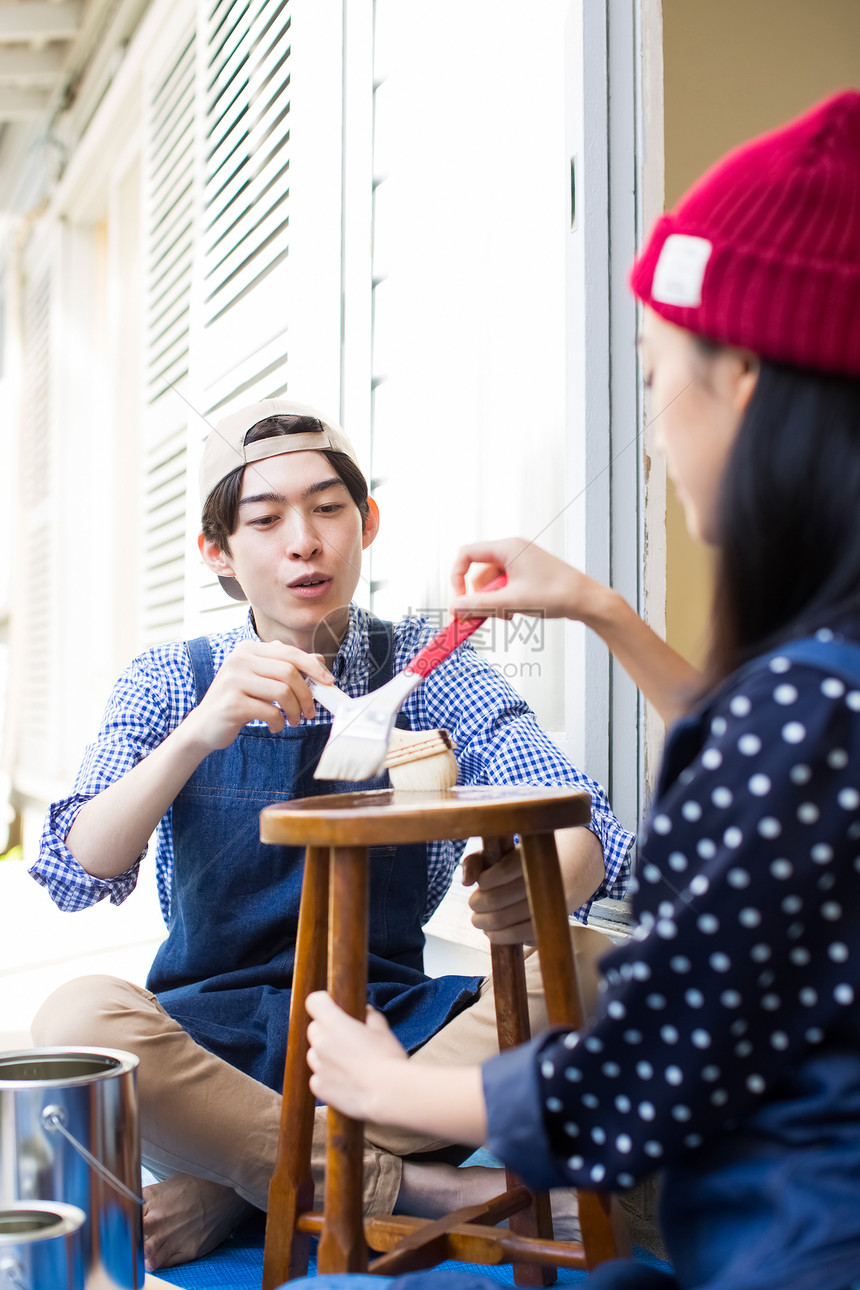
[(789, 517), (221, 508)]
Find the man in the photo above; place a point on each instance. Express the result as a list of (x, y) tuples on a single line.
[(196, 739)]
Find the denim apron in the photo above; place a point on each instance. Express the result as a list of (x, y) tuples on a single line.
[(225, 970)]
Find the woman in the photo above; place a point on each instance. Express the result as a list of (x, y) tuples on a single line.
[(726, 1049)]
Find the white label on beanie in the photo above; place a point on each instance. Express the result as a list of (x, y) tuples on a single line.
[(680, 270)]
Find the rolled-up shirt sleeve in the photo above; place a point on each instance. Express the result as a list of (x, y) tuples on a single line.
[(69, 885)]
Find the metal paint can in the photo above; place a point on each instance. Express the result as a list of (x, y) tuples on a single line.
[(69, 1133), (41, 1246)]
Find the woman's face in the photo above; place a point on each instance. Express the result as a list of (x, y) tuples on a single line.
[(697, 403)]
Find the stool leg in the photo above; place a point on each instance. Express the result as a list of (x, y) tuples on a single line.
[(342, 1246), (291, 1191), (512, 1026), (511, 1012), (546, 898)]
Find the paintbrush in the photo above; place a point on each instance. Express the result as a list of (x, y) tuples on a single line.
[(361, 729), (420, 760)]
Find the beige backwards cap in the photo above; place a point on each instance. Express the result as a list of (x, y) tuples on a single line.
[(225, 449)]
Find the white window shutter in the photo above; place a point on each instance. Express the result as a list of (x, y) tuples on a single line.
[(246, 193), (170, 230), (37, 660), (165, 535), (170, 205)]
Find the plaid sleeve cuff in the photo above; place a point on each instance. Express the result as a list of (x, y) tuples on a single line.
[(69, 885), (617, 846)]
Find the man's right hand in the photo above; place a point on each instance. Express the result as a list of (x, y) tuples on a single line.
[(112, 828), (258, 681)]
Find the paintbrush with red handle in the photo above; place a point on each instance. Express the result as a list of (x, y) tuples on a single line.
[(361, 728)]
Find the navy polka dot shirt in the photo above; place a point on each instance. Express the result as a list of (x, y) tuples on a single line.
[(746, 951)]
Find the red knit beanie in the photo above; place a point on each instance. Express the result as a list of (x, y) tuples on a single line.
[(764, 251)]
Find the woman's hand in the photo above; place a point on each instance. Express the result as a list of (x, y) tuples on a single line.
[(259, 681), (538, 583), (360, 1069), (353, 1062)]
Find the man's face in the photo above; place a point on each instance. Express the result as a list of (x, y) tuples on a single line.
[(296, 550)]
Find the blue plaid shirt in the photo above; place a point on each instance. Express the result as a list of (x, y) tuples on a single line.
[(496, 734)]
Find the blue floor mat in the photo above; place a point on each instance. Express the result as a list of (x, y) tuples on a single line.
[(238, 1264)]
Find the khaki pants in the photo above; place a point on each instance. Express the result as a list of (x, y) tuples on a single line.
[(201, 1116)]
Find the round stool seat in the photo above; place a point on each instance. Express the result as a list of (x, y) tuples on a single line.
[(398, 815)]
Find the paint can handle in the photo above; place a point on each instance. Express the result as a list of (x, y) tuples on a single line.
[(11, 1275), (54, 1120)]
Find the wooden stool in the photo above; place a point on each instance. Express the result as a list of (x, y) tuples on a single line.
[(337, 831)]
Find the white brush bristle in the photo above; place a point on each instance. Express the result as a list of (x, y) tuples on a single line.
[(350, 759), (358, 742), (421, 760), (427, 774)]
